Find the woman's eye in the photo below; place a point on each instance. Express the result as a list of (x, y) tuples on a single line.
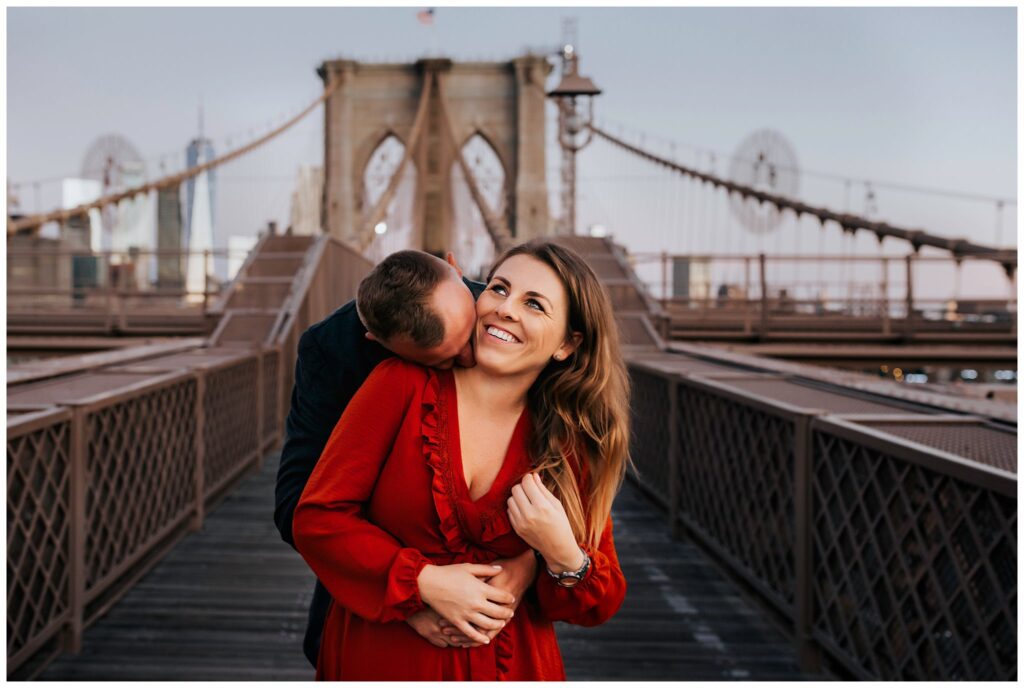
[(533, 303), (498, 289)]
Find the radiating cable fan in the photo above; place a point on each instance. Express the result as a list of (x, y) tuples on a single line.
[(765, 161), (117, 165), (113, 161)]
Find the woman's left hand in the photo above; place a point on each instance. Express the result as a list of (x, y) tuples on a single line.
[(539, 518)]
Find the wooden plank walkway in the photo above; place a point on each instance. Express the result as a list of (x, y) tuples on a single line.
[(229, 603)]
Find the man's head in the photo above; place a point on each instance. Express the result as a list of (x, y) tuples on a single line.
[(418, 307)]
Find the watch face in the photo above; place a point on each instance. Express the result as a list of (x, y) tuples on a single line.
[(568, 581)]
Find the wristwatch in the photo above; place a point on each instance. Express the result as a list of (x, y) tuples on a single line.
[(569, 579)]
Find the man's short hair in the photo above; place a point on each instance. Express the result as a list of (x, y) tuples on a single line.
[(394, 298)]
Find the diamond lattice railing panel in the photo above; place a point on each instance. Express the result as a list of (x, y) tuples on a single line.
[(231, 413), (736, 486), (271, 415), (141, 464), (38, 532), (649, 436), (915, 572)]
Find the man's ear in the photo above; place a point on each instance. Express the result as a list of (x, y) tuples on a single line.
[(362, 321), (450, 259)]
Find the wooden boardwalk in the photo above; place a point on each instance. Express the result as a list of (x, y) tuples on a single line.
[(229, 603)]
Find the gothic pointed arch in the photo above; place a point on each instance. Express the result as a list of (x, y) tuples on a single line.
[(480, 142), (473, 246), (397, 230)]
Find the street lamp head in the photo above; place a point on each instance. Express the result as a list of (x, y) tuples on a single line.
[(571, 123), (572, 85)]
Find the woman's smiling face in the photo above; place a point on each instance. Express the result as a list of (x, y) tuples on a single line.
[(522, 318)]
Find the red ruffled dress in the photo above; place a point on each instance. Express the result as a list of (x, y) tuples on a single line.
[(388, 496)]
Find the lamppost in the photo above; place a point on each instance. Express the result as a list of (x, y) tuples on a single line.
[(571, 124)]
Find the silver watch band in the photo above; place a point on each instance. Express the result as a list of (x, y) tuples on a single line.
[(570, 578)]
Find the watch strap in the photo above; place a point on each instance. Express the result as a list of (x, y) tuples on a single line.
[(576, 575)]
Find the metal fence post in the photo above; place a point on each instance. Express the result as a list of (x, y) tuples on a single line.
[(664, 275), (200, 448), (77, 530), (109, 293), (908, 322), (807, 652), (674, 458), (1013, 300), (206, 279), (886, 324), (764, 296), (260, 410)]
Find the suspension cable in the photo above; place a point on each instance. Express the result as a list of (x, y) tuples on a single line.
[(849, 222), (35, 222), (896, 186)]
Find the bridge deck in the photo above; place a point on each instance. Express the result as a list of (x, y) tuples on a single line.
[(230, 602)]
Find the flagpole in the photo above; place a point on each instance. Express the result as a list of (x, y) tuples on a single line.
[(426, 16)]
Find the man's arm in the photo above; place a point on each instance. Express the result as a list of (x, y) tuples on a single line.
[(317, 404), (315, 409)]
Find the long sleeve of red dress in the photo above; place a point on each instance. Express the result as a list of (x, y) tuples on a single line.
[(365, 569), (593, 600)]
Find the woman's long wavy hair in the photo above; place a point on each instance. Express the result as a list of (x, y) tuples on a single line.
[(580, 406)]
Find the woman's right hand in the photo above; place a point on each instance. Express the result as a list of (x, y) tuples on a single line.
[(457, 593)]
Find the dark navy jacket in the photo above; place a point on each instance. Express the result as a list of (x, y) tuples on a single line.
[(334, 359)]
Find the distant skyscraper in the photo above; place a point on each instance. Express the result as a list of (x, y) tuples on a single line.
[(199, 151), (199, 204), (170, 271), (200, 219), (76, 192), (134, 222)]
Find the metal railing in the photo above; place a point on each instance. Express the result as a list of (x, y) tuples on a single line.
[(82, 275), (747, 295), (51, 290), (108, 474), (100, 487), (880, 549)]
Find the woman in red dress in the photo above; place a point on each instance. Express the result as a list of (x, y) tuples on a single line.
[(431, 475)]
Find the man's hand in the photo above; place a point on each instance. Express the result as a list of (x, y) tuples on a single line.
[(517, 575), (427, 623)]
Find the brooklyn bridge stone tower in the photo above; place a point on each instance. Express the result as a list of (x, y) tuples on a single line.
[(502, 102)]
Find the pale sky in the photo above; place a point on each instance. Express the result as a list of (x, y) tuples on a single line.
[(923, 97)]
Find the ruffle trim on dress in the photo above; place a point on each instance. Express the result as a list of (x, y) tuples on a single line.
[(402, 597), (494, 520), (495, 524), (441, 487), (502, 653)]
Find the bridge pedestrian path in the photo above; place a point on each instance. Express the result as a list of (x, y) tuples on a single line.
[(229, 603)]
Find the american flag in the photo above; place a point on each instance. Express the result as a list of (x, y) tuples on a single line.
[(426, 16)]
